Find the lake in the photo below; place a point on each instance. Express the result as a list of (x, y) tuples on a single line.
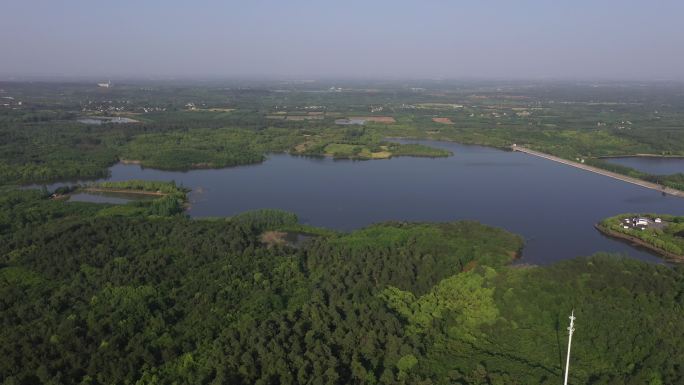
[(553, 206), (651, 165)]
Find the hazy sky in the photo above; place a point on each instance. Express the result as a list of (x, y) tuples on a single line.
[(344, 38)]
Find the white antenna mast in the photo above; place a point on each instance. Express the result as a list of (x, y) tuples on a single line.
[(571, 329)]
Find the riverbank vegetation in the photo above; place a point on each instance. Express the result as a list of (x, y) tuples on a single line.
[(168, 199), (101, 299), (35, 153), (586, 146), (202, 148), (182, 127), (162, 188), (675, 181), (171, 198), (665, 237)]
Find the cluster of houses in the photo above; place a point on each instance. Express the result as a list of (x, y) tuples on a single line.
[(641, 223), (8, 101)]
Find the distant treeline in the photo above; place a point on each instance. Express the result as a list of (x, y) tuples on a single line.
[(41, 141)]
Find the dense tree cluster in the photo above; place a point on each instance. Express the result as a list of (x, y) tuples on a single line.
[(59, 150), (264, 219), (88, 298), (169, 188)]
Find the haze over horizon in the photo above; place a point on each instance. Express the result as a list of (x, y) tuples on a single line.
[(630, 40)]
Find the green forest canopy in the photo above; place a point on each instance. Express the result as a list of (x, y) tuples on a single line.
[(140, 294), (93, 298)]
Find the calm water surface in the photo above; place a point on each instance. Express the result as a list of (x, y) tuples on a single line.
[(657, 166), (554, 207)]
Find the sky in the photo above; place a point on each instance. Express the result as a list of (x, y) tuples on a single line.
[(300, 39)]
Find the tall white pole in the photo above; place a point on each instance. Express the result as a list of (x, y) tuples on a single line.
[(571, 329)]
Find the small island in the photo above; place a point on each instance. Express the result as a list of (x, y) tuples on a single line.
[(663, 234)]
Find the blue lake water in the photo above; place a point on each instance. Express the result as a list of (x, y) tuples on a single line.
[(651, 165), (553, 206)]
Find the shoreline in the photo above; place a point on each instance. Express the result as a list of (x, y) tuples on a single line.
[(130, 161), (596, 170), (121, 191), (640, 242)]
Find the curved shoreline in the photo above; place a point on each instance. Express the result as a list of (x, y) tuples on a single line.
[(639, 242)]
